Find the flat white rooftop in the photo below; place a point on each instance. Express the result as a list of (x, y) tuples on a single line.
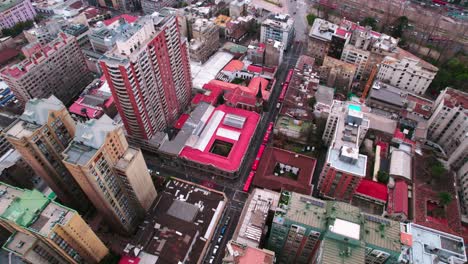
[(203, 73), (346, 228)]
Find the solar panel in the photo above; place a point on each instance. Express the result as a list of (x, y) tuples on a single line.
[(312, 201), (377, 219)]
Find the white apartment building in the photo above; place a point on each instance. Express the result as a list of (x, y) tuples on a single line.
[(279, 27), (448, 125), (408, 74)]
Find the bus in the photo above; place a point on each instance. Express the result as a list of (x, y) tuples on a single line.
[(259, 156), (248, 182)]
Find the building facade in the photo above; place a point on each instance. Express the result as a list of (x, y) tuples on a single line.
[(58, 68), (407, 74), (309, 230), (337, 73), (15, 11), (113, 175), (205, 40), (40, 134), (149, 75), (278, 27), (45, 231), (151, 6)]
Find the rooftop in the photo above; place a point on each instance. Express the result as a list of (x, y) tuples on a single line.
[(177, 236), (7, 4), (253, 219), (89, 137), (127, 18), (219, 136), (281, 169), (279, 21), (398, 198), (428, 244), (455, 98), (322, 30), (243, 254), (202, 74), (32, 209), (93, 100), (373, 190), (400, 164), (342, 223)]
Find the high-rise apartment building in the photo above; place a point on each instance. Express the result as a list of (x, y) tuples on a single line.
[(15, 11), (40, 134), (279, 27), (345, 167), (45, 232), (309, 230), (57, 68), (113, 175), (448, 127), (149, 75), (408, 74)]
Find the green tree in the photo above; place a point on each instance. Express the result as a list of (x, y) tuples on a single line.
[(399, 26), (444, 198), (312, 102), (369, 21), (383, 177), (18, 28), (310, 19), (437, 170), (110, 258)]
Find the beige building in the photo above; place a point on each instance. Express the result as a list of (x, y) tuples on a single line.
[(40, 134), (205, 40), (46, 232), (410, 74), (113, 175), (336, 73), (57, 68)]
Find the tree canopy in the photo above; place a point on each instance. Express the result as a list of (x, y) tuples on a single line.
[(453, 73), (383, 177), (310, 19), (399, 26), (17, 28), (369, 21), (444, 198)]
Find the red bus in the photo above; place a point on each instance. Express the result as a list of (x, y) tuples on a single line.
[(248, 182), (259, 156), (283, 92), (290, 74), (268, 132), (270, 126)]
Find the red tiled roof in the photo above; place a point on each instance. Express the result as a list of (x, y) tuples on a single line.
[(265, 177), (7, 54), (128, 19), (400, 197), (211, 96), (252, 89), (255, 68), (457, 97), (341, 32), (76, 5), (232, 162), (181, 121), (129, 260), (233, 66), (372, 189)]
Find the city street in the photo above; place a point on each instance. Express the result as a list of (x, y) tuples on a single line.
[(233, 188), (298, 10)]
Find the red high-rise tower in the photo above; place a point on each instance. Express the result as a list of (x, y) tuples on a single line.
[(149, 74)]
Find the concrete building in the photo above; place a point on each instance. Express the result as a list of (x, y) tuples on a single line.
[(408, 74), (124, 6), (237, 8), (150, 6), (309, 230), (238, 253), (205, 40), (321, 36), (279, 27), (357, 57), (113, 175), (253, 220), (344, 168), (448, 125), (47, 69), (337, 73), (425, 245), (45, 231), (150, 87), (42, 33), (15, 11), (40, 134), (5, 121)]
